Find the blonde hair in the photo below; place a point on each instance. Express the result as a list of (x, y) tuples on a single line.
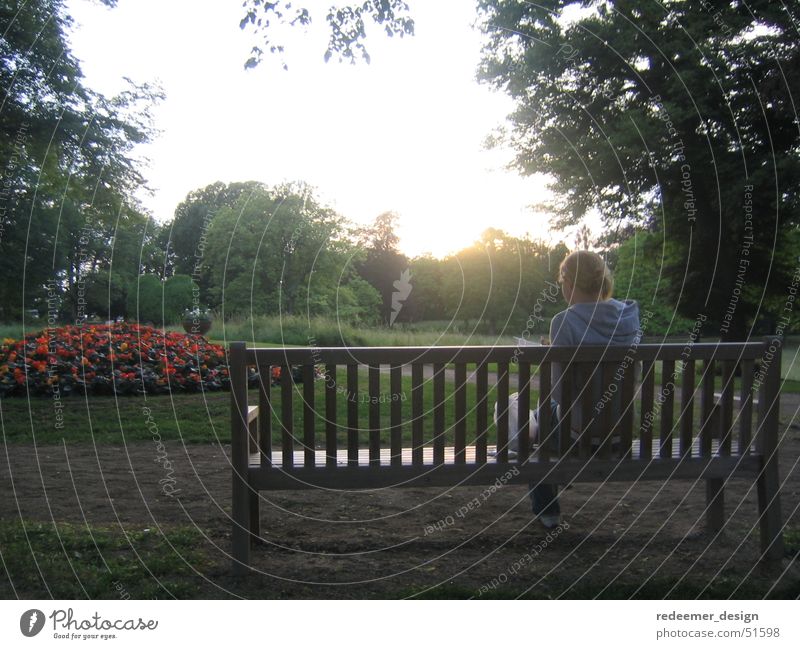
[(588, 272)]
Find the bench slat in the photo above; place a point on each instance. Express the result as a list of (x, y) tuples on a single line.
[(668, 397), (648, 414), (746, 407), (534, 354), (523, 411), (460, 423), (374, 393), (449, 456), (707, 409), (586, 373), (265, 412), (545, 422), (331, 427), (628, 390), (309, 415), (352, 415), (502, 411), (396, 413), (467, 474), (726, 406), (438, 413), (287, 416), (481, 411), (609, 427), (687, 408), (417, 441), (567, 408)]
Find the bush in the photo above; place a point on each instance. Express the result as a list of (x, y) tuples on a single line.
[(179, 291), (144, 299)]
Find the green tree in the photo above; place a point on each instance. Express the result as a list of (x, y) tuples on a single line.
[(383, 264), (128, 245), (279, 251), (678, 117), (65, 152), (501, 281), (638, 276), (162, 302), (426, 300), (145, 300), (179, 291), (193, 216), (105, 294)]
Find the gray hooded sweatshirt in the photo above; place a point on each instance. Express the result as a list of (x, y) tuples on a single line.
[(611, 322)]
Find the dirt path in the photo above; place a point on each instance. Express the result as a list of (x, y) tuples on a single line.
[(398, 542)]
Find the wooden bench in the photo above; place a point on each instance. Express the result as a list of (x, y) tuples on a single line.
[(710, 437)]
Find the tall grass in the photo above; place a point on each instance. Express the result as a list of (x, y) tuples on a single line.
[(327, 332)]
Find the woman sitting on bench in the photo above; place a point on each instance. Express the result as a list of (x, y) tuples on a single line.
[(592, 317)]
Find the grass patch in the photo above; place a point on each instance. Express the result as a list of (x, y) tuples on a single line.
[(198, 418), (195, 418), (328, 332), (65, 561), (791, 541)]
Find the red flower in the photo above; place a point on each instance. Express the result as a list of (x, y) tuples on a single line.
[(131, 358)]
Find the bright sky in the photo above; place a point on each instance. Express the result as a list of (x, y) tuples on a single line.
[(404, 133)]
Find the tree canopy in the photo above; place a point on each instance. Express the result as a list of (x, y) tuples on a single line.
[(674, 116), (66, 155)]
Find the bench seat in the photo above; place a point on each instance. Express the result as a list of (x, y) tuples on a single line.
[(320, 456)]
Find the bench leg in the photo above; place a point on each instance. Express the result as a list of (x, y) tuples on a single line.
[(769, 513), (715, 505), (240, 534), (255, 518)]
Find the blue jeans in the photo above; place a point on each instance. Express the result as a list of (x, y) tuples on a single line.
[(544, 497)]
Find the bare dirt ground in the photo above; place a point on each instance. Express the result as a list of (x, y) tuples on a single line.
[(620, 540)]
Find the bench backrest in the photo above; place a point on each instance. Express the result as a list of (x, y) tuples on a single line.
[(404, 394)]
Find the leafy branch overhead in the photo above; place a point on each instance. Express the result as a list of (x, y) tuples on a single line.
[(347, 25)]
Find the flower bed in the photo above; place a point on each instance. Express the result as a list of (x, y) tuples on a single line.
[(117, 359)]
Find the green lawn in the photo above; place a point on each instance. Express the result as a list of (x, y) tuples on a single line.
[(65, 561), (200, 418)]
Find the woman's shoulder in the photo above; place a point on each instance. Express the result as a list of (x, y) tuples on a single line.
[(560, 327), (559, 317)]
